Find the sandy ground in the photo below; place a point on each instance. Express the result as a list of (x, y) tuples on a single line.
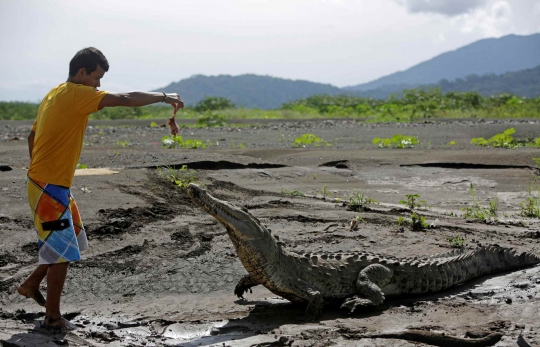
[(161, 272)]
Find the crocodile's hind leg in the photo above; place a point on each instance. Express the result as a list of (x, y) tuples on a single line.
[(244, 285), (368, 285)]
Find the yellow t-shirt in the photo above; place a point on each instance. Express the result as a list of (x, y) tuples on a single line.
[(60, 126)]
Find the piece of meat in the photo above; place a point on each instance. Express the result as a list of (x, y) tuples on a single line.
[(172, 123)]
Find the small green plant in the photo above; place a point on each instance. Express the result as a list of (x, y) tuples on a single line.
[(452, 143), (81, 166), (294, 192), (123, 143), (308, 140), (536, 164), (181, 177), (505, 140), (493, 206), (194, 144), (153, 125), (211, 119), (456, 241), (358, 201), (314, 176), (396, 141), (412, 201), (531, 206), (179, 142), (418, 223), (476, 212), (401, 222), (325, 192), (238, 145)]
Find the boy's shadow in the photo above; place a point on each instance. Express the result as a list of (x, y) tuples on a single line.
[(37, 336)]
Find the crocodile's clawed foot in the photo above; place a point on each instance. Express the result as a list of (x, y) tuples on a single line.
[(355, 302), (239, 291)]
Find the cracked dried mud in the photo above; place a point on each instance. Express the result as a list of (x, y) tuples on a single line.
[(161, 272)]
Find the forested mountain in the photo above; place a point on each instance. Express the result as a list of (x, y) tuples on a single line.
[(488, 56), (266, 92), (510, 64), (522, 83), (250, 91)]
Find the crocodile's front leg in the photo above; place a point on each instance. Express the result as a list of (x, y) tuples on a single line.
[(244, 285), (369, 283), (315, 306)]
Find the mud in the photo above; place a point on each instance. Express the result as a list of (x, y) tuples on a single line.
[(161, 272)]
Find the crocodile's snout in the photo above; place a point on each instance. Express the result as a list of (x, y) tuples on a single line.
[(237, 219), (193, 190)]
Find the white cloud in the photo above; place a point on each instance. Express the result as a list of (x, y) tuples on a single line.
[(493, 21), (537, 8), (501, 9), (445, 7), (342, 42)]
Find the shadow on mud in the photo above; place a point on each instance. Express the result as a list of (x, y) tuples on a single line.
[(218, 165), (265, 318)]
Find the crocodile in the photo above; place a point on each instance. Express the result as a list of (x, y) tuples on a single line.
[(353, 279)]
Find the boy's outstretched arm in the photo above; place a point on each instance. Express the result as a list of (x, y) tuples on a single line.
[(133, 99)]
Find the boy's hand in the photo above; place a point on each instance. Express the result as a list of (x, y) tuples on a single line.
[(174, 100)]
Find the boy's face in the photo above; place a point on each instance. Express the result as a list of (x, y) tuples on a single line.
[(93, 79)]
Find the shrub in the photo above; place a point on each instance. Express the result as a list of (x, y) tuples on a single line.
[(358, 201), (211, 119), (179, 142), (181, 177), (309, 139), (531, 206), (476, 212), (456, 242), (397, 141), (413, 202), (213, 103)]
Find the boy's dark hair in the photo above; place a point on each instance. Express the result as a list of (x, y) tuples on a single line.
[(88, 58)]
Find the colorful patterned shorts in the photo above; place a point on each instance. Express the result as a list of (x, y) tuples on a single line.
[(60, 231)]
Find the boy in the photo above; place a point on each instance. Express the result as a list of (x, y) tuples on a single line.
[(55, 144)]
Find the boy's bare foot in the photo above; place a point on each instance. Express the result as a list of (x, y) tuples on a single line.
[(36, 295), (58, 324)]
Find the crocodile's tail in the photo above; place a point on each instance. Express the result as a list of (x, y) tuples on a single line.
[(438, 273)]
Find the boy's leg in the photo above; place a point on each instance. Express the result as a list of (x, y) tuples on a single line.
[(56, 276), (30, 287)]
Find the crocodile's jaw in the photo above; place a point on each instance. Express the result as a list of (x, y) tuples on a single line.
[(245, 226)]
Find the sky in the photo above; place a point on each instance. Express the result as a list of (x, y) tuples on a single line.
[(150, 44)]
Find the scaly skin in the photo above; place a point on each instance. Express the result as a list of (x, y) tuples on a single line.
[(356, 279)]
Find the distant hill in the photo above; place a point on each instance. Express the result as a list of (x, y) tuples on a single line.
[(250, 91), (488, 56), (522, 83), (508, 64)]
